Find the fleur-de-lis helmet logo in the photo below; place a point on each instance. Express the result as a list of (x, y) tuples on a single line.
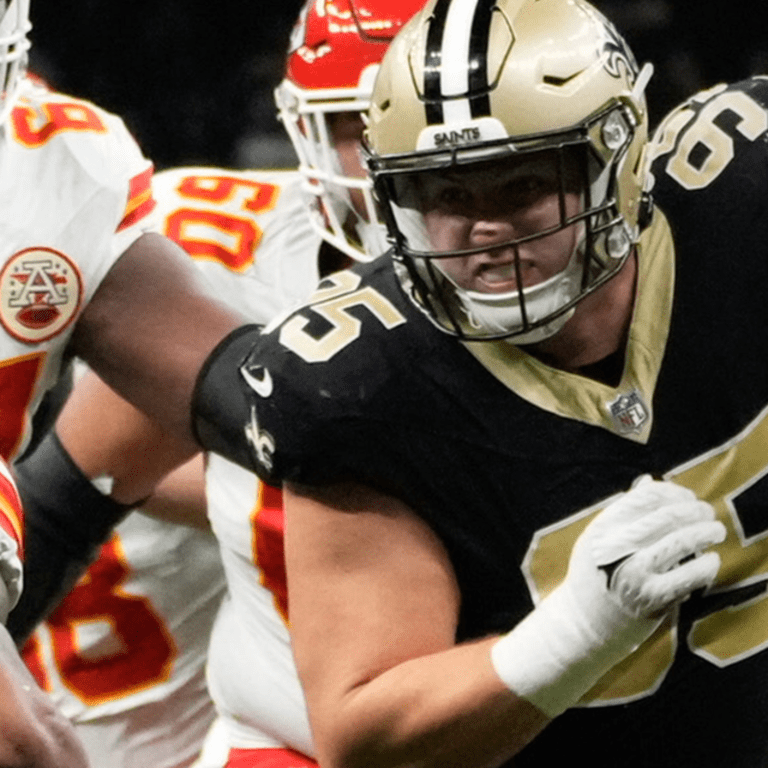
[(619, 54)]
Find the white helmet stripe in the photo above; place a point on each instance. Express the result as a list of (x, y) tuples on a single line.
[(456, 50)]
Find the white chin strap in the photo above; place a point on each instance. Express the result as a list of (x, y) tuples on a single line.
[(498, 313)]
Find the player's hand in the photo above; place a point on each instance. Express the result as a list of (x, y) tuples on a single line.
[(641, 556)]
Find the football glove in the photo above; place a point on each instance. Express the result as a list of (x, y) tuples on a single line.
[(639, 558)]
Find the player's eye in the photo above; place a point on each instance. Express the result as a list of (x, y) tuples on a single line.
[(453, 197)]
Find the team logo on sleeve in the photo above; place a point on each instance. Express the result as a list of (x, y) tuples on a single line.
[(40, 293), (262, 443)]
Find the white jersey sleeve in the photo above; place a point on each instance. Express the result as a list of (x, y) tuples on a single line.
[(75, 192), (11, 541)]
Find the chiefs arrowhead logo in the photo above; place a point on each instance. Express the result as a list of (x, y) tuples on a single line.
[(40, 294)]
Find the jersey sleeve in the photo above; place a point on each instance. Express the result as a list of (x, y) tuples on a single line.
[(324, 386), (125, 204), (88, 176), (11, 536), (714, 147)]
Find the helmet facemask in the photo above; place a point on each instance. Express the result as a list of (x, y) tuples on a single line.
[(351, 225), (335, 50), (14, 27), (583, 164), (473, 84)]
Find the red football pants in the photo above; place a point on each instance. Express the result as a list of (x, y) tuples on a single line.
[(268, 758)]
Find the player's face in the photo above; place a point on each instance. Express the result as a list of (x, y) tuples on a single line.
[(346, 130), (497, 203)]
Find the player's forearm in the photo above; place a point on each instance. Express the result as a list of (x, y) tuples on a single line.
[(150, 327), (33, 734), (66, 521), (446, 709), (180, 497), (106, 437)]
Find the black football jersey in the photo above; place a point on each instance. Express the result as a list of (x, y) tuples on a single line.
[(508, 459)]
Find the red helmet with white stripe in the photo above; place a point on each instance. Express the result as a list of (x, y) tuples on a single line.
[(333, 57)]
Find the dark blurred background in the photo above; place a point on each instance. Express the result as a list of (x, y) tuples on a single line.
[(194, 80)]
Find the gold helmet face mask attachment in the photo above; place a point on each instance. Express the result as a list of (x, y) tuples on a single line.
[(595, 155)]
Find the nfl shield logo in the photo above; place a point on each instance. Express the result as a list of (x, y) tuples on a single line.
[(629, 412)]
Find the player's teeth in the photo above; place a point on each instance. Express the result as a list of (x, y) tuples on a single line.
[(500, 274)]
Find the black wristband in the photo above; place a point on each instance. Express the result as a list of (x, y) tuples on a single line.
[(66, 520), (220, 409)]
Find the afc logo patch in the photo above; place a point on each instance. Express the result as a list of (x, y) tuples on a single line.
[(40, 293)]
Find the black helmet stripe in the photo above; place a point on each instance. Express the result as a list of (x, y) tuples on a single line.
[(480, 102), (455, 65), (432, 62)]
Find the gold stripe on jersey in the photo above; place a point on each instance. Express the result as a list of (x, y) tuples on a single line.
[(575, 397)]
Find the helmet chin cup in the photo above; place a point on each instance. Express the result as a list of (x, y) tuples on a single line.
[(528, 315), (618, 241)]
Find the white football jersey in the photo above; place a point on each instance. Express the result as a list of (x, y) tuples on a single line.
[(251, 673), (75, 192), (123, 655), (249, 233)]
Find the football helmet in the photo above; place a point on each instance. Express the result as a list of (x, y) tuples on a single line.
[(470, 84), (14, 27), (334, 53)]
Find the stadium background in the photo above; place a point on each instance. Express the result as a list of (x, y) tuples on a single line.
[(194, 80)]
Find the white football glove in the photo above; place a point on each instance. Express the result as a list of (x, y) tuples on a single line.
[(637, 559)]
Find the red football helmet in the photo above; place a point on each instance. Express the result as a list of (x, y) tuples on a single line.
[(333, 57), (14, 26)]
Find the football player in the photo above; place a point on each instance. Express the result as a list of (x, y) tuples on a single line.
[(261, 239), (81, 273), (32, 731), (525, 458)]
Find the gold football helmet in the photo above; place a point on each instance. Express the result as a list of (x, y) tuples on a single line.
[(469, 84), (14, 26)]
